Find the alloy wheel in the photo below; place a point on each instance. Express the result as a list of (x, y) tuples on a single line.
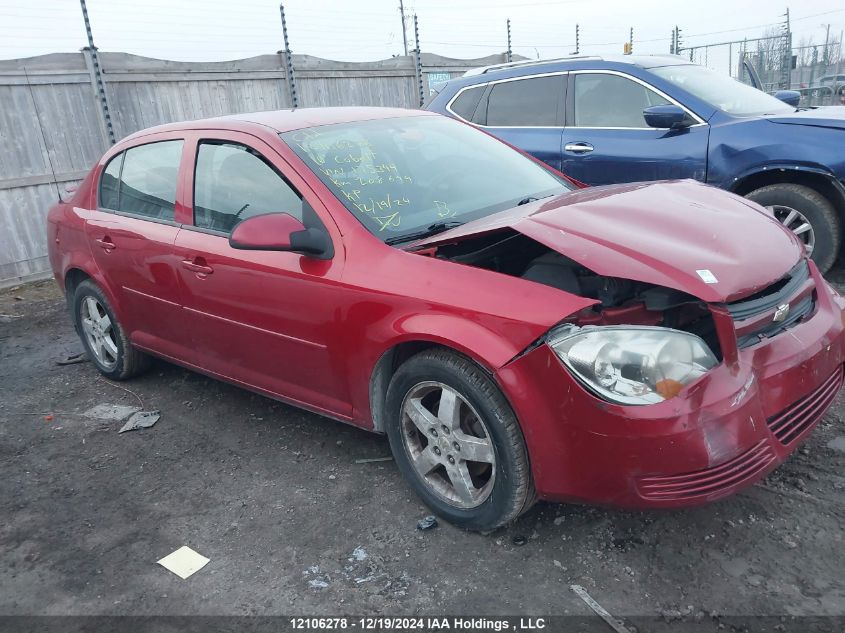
[(796, 222), (449, 445), (97, 326)]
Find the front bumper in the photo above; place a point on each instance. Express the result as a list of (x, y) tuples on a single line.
[(721, 434)]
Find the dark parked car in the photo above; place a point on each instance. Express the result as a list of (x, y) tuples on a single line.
[(628, 119), (515, 336)]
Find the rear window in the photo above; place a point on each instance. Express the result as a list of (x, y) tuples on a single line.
[(525, 102), (146, 184), (466, 103), (109, 182)]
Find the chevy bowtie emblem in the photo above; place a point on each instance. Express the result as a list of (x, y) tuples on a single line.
[(782, 312)]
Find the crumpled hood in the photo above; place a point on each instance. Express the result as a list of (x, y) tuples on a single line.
[(828, 116), (681, 234)]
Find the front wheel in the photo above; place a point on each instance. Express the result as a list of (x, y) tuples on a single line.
[(457, 441), (806, 213)]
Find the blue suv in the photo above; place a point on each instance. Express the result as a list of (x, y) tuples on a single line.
[(631, 118)]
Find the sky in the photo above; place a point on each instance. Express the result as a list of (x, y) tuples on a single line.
[(361, 30)]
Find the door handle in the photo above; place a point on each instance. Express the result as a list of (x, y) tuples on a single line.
[(106, 244), (197, 265), (578, 148)]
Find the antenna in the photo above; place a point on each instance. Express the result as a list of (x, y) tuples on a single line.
[(41, 130)]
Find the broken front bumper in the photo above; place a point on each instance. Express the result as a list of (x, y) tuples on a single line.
[(722, 433)]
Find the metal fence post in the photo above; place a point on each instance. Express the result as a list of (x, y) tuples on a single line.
[(92, 60), (510, 57), (291, 79), (98, 86), (418, 61)]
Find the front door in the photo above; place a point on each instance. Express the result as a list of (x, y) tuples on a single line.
[(258, 318), (606, 139)]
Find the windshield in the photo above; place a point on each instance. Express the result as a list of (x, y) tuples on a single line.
[(721, 91), (406, 175)]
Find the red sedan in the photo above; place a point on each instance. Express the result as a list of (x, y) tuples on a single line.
[(516, 336)]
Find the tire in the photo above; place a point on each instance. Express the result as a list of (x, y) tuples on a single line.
[(818, 211), (95, 320), (476, 416)]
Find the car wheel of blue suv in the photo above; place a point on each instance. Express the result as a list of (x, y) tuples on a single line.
[(808, 214)]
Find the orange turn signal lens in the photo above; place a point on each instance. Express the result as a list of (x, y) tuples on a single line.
[(668, 388)]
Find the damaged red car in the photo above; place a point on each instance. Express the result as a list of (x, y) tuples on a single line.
[(515, 335)]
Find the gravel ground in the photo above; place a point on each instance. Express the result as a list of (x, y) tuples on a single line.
[(293, 525)]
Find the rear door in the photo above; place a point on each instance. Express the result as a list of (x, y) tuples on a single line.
[(606, 139), (527, 112), (132, 235), (261, 318)]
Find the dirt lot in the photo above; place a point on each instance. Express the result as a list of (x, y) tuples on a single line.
[(273, 496)]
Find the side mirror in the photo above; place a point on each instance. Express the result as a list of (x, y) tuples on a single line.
[(666, 116), (280, 232), (789, 97)]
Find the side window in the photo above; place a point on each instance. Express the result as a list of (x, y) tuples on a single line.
[(466, 103), (533, 101), (612, 101), (233, 182), (109, 182), (148, 179)]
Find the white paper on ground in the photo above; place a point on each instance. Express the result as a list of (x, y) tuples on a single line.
[(184, 562), (116, 412)]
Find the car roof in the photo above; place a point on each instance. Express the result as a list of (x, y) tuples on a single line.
[(285, 120), (579, 61)]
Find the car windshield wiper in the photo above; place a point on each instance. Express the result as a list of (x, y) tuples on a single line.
[(433, 229), (532, 199)]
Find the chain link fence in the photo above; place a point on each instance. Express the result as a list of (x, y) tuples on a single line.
[(772, 63)]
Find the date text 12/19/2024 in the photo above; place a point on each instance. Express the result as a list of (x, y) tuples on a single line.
[(399, 624)]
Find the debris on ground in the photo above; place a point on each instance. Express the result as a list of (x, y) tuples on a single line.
[(8, 318), (519, 540), (369, 578), (359, 554), (112, 412), (372, 460), (600, 611), (140, 420), (837, 443), (73, 359), (184, 562), (428, 523), (320, 582)]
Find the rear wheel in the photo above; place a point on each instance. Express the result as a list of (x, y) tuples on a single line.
[(457, 441), (806, 213), (102, 335)]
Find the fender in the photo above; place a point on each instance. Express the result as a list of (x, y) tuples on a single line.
[(786, 166), (486, 348), (75, 260)]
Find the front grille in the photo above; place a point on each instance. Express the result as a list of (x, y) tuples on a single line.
[(771, 296), (709, 481), (754, 316), (792, 422)]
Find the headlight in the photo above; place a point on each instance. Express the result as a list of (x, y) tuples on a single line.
[(632, 365)]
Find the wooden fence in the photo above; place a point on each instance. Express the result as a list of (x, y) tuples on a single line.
[(52, 126)]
